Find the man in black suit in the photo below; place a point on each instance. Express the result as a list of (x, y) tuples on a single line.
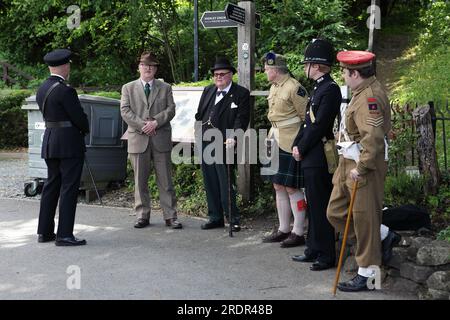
[(63, 149), (321, 111), (223, 105)]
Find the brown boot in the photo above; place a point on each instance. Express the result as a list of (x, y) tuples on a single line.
[(276, 236), (293, 241)]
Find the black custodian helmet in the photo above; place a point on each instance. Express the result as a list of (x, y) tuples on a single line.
[(319, 51)]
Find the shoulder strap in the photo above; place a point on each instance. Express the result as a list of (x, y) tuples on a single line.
[(47, 94)]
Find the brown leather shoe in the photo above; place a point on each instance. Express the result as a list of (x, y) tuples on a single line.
[(142, 223), (276, 236), (174, 223), (293, 240)]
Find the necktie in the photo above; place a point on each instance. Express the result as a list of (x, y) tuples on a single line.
[(221, 93), (147, 90)]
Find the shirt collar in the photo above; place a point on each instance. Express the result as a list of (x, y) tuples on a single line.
[(57, 75), (323, 79), (283, 79), (227, 88), (144, 83), (367, 82)]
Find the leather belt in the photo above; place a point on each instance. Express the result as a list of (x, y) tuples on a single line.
[(58, 124), (285, 123)]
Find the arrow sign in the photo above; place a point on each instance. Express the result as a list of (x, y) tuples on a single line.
[(235, 13), (216, 19)]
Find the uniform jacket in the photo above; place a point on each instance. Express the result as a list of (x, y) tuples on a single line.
[(325, 101), (135, 109), (287, 100), (234, 112), (368, 120), (62, 105)]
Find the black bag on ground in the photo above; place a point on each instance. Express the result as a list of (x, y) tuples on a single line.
[(407, 217)]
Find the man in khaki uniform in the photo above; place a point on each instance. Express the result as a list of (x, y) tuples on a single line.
[(363, 158), (287, 106)]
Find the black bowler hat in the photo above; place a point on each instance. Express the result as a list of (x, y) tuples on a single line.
[(57, 57), (223, 63), (319, 51)]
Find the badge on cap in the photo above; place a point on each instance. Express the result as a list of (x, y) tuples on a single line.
[(270, 58)]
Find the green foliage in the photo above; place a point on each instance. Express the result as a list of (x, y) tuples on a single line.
[(106, 94), (424, 77), (403, 189), (13, 131), (444, 234)]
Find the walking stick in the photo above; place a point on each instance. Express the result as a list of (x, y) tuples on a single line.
[(344, 240), (93, 182), (229, 199)]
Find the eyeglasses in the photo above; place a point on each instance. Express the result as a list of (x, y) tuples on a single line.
[(216, 75), (147, 65)]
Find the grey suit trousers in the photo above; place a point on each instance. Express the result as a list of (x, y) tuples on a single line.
[(141, 163)]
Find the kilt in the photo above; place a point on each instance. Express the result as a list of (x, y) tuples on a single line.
[(288, 174)]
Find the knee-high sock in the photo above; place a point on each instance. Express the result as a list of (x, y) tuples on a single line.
[(298, 206), (384, 230), (284, 210)]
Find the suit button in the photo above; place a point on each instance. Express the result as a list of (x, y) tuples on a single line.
[(304, 126)]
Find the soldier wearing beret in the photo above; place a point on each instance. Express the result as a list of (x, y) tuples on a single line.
[(322, 109), (287, 106), (364, 127), (63, 149)]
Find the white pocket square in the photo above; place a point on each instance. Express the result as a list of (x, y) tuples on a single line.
[(233, 105)]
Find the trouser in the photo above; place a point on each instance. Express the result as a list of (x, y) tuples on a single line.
[(141, 163), (367, 209), (320, 241), (63, 182), (215, 179)]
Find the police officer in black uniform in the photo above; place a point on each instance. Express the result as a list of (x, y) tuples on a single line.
[(63, 149), (322, 109)]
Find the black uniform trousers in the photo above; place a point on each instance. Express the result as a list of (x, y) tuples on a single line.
[(215, 179), (320, 242), (62, 183)]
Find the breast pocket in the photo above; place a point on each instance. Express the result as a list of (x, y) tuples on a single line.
[(350, 122)]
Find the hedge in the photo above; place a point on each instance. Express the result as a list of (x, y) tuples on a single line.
[(13, 120)]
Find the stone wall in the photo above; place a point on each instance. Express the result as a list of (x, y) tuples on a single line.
[(419, 266)]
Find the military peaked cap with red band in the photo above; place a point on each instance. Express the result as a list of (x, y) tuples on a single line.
[(355, 59)]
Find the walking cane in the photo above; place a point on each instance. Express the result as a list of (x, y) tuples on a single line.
[(344, 240), (93, 182), (229, 199), (229, 189)]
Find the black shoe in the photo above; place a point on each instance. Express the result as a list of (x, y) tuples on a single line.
[(236, 227), (69, 241), (319, 266), (304, 258), (293, 240), (142, 223), (387, 244), (212, 225), (277, 236), (46, 237), (358, 283), (174, 223)]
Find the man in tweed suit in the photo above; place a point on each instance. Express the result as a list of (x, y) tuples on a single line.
[(147, 107)]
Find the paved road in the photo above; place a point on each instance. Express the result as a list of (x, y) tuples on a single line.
[(121, 262)]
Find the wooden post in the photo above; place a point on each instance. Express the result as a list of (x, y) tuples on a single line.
[(246, 73), (426, 149)]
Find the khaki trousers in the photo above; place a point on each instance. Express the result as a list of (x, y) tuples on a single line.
[(141, 163), (367, 209)]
